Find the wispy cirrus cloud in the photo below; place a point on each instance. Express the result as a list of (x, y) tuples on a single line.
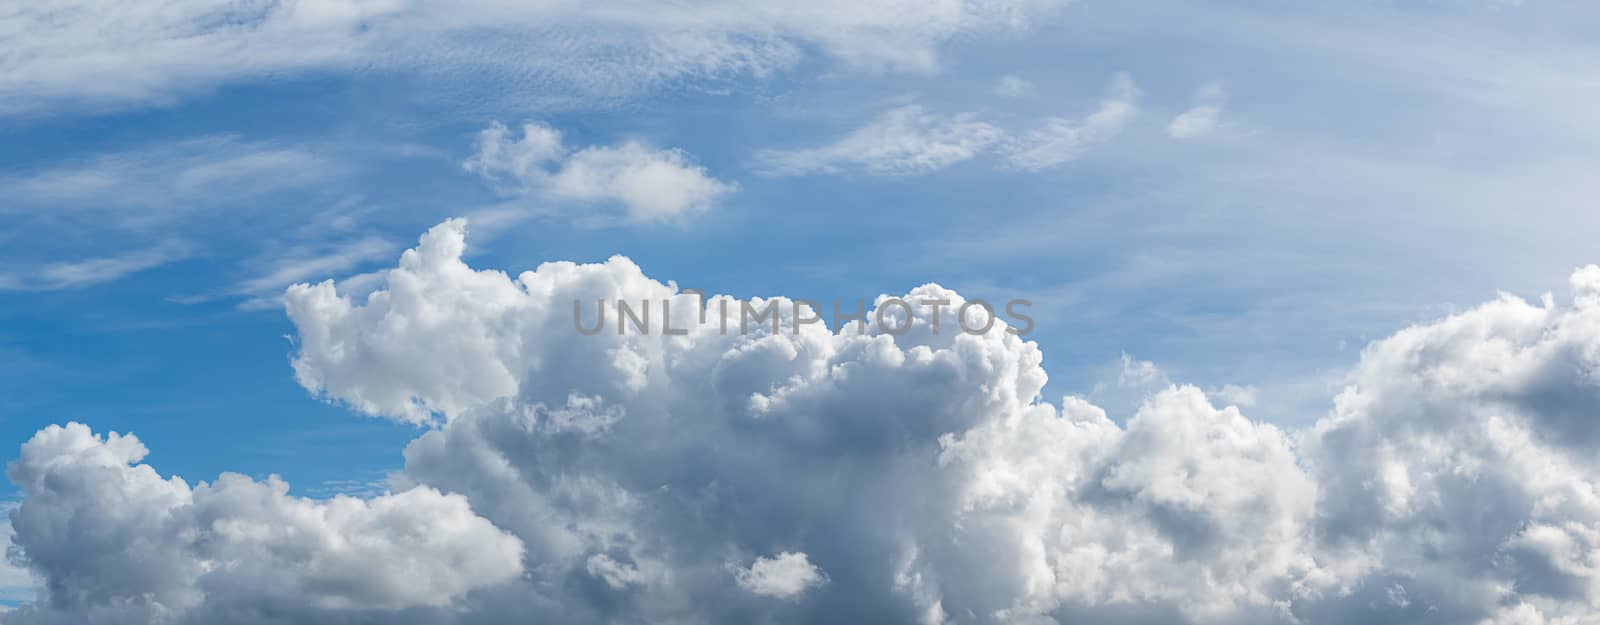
[(910, 140), (101, 53), (120, 212), (336, 254), (331, 257), (86, 272), (163, 181), (1061, 139)]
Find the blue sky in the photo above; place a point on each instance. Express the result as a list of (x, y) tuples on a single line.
[(1241, 193)]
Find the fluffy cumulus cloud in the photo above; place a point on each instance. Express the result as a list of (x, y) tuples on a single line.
[(809, 475), (109, 52), (651, 184), (911, 140), (115, 542), (786, 575), (1459, 467)]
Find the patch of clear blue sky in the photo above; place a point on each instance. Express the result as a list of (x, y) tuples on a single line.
[(1356, 193)]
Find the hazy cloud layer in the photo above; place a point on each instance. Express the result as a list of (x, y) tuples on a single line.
[(813, 476)]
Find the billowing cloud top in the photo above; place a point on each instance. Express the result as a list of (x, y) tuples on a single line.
[(117, 543), (817, 476)]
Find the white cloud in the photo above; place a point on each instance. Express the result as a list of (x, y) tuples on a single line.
[(911, 140), (1061, 139), (920, 475), (127, 545), (107, 53), (904, 141), (1202, 120), (653, 185), (785, 575)]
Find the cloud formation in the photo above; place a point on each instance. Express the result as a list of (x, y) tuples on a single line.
[(651, 184), (810, 476)]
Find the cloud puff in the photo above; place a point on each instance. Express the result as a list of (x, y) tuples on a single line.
[(911, 140), (102, 52), (912, 478), (785, 575), (117, 543), (651, 184)]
